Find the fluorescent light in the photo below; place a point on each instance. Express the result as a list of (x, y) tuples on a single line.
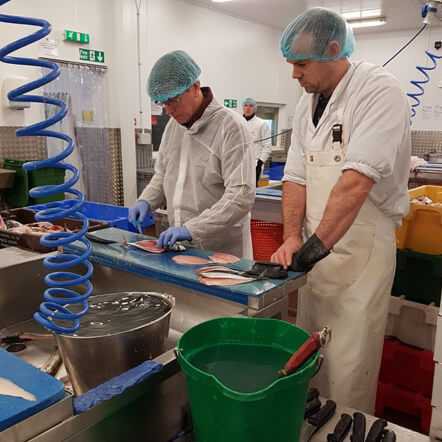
[(362, 13), (367, 23), (221, 1)]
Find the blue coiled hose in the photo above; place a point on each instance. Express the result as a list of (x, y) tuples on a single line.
[(419, 84), (65, 288)]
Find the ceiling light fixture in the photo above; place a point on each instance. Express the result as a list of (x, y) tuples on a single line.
[(367, 23), (361, 14), (221, 1)]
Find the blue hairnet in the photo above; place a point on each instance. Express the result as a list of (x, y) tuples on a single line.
[(307, 37), (250, 101), (172, 75)]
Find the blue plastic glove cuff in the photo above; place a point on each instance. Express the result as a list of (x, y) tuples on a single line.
[(138, 212)]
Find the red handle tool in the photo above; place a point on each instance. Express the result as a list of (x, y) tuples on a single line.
[(313, 344)]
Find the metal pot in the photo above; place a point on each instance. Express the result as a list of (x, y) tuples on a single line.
[(94, 359)]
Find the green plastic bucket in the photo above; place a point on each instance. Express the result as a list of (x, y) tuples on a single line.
[(221, 414)]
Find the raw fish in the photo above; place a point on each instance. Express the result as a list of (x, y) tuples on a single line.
[(190, 260), (8, 388)]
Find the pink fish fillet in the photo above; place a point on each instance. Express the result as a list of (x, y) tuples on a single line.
[(223, 258), (223, 281), (148, 245), (190, 260)]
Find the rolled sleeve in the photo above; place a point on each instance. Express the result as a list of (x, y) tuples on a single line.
[(378, 126), (294, 171)]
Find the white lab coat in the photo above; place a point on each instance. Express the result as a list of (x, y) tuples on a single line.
[(259, 130), (349, 290), (206, 175)]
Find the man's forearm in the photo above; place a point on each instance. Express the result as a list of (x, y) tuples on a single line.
[(344, 203), (293, 209)]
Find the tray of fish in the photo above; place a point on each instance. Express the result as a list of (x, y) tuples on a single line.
[(18, 228)]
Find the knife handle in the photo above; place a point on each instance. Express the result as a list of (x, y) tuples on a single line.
[(359, 422), (341, 430), (312, 407), (323, 415), (307, 349), (376, 431), (313, 393), (389, 436)]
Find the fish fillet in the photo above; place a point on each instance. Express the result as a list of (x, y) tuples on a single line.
[(223, 258), (223, 281), (8, 388), (223, 269), (149, 245), (190, 260)]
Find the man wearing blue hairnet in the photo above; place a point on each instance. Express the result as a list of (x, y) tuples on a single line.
[(345, 192), (205, 170), (260, 133)]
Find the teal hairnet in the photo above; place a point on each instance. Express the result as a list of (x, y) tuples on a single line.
[(172, 75), (250, 101), (307, 37)]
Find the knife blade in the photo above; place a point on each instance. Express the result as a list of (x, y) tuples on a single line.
[(376, 431), (359, 423), (317, 421), (341, 430)]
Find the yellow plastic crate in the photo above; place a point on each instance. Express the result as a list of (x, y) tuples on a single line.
[(421, 230)]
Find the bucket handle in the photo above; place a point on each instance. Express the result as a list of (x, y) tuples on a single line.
[(318, 364)]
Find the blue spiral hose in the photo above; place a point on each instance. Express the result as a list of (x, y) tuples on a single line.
[(419, 84), (65, 288)]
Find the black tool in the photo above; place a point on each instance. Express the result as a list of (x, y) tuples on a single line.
[(389, 436), (270, 270), (317, 421), (358, 433), (15, 348), (312, 407), (376, 431), (313, 393), (99, 239), (341, 430)]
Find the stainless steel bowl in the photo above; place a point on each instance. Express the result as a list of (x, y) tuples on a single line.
[(92, 360)]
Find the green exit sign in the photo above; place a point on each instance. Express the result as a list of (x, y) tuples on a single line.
[(91, 55), (77, 37), (231, 103)]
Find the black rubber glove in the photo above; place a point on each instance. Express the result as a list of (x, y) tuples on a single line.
[(309, 254), (259, 165)]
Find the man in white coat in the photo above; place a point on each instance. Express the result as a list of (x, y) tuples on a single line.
[(204, 173), (345, 192), (260, 133)]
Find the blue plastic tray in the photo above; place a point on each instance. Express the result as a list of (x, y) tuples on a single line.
[(45, 388), (116, 216)]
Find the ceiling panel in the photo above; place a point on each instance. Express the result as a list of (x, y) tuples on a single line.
[(401, 14)]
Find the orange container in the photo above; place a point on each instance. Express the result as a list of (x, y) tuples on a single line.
[(421, 230), (266, 239)]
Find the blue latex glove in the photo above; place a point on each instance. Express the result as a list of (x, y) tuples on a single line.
[(173, 234), (138, 212)]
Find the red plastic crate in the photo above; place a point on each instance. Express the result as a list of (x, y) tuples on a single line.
[(391, 397), (266, 239), (407, 367)]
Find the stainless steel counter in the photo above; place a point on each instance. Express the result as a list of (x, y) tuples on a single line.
[(154, 410)]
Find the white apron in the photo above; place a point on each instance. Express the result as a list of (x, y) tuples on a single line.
[(349, 290)]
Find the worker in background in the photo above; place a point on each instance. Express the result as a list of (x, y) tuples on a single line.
[(204, 173), (261, 134), (345, 188)]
